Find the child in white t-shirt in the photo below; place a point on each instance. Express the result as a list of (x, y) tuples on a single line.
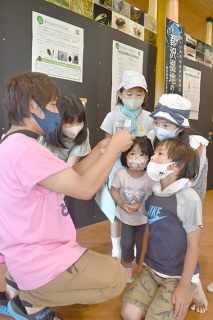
[(130, 188), (130, 114)]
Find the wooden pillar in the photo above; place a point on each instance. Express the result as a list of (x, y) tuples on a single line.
[(153, 8), (166, 9), (209, 31)]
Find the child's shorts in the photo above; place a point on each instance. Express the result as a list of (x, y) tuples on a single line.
[(153, 294)]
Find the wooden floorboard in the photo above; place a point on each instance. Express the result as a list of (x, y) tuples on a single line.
[(97, 238)]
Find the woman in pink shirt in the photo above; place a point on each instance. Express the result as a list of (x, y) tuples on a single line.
[(37, 237)]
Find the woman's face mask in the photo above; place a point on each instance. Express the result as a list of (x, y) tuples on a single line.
[(50, 122)]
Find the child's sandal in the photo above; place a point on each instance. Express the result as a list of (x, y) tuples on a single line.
[(18, 312)]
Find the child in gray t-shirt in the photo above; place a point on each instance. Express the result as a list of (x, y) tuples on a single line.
[(168, 271)]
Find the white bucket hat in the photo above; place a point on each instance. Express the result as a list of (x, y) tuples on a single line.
[(132, 79), (174, 108)]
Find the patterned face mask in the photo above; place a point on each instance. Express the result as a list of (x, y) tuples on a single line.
[(136, 164)]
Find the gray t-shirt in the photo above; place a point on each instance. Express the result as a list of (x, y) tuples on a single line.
[(64, 154)]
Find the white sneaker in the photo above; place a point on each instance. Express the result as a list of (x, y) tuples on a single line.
[(210, 287)]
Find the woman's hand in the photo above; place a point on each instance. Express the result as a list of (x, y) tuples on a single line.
[(123, 140), (102, 145)]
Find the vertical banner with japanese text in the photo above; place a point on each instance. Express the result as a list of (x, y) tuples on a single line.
[(174, 53)]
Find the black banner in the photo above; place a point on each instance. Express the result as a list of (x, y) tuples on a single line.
[(174, 53)]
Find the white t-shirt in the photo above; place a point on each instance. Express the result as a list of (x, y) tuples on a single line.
[(132, 190), (144, 123)]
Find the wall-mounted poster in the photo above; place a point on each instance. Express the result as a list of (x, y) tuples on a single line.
[(124, 58), (174, 52), (57, 48), (191, 89)]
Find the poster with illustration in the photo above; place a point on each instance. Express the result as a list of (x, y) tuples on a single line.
[(57, 48)]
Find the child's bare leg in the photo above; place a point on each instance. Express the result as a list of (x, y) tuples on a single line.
[(130, 312), (199, 301), (116, 238), (116, 228)]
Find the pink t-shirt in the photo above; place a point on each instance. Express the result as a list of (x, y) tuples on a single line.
[(37, 235)]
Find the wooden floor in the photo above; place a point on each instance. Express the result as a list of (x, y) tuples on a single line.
[(97, 238)]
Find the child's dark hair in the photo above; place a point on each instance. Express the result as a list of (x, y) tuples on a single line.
[(70, 108), (144, 145), (20, 89), (119, 101), (183, 155), (183, 136)]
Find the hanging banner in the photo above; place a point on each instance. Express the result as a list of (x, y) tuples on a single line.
[(174, 52)]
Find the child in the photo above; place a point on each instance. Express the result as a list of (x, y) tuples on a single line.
[(131, 96), (37, 236), (70, 140), (171, 120), (163, 289), (130, 188)]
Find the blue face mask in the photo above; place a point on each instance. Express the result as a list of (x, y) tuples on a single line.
[(50, 122), (162, 134)]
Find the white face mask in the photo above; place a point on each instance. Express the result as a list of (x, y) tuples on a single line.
[(158, 171), (132, 104), (71, 132)]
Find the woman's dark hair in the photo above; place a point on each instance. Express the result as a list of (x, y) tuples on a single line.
[(144, 145), (119, 101), (70, 108), (19, 90), (181, 153), (182, 136)]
